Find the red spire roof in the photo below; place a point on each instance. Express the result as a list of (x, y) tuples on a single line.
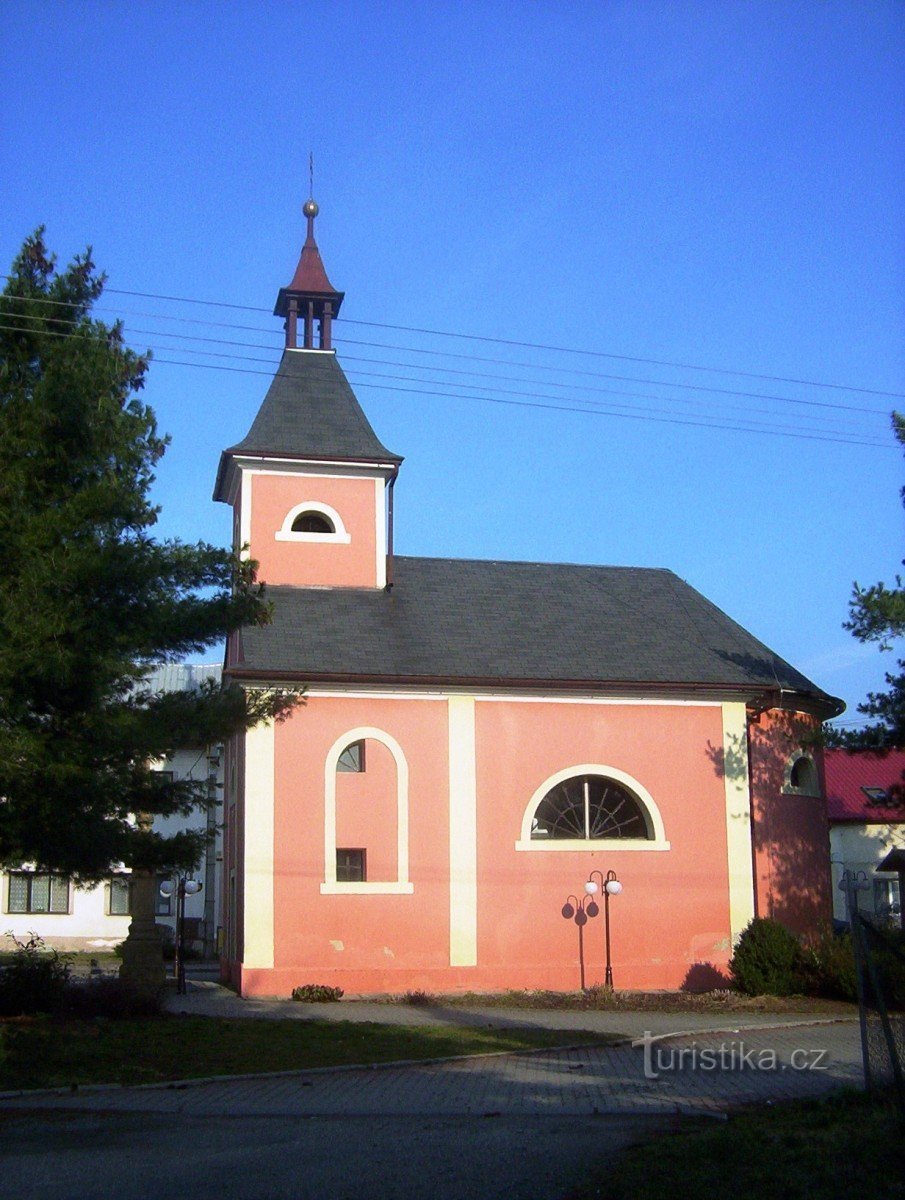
[(310, 275)]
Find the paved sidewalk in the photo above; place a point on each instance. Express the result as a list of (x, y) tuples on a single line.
[(207, 998), (707, 1073)]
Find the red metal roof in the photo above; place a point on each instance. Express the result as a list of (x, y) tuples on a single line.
[(849, 772), (310, 275)]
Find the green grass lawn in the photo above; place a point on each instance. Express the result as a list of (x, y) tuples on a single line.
[(43, 1052), (845, 1145)]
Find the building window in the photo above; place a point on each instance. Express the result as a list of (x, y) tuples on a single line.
[(35, 893), (163, 905), (589, 807), (351, 866), (876, 795), (119, 896), (352, 758), (312, 522), (802, 776)]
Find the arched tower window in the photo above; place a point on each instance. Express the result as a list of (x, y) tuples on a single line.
[(312, 521), (802, 777)]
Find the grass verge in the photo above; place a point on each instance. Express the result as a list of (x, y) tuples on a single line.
[(42, 1052), (601, 999), (845, 1145)]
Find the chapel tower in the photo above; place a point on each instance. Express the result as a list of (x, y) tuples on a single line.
[(308, 484)]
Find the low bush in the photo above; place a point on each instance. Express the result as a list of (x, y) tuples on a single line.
[(769, 959), (34, 979), (829, 967), (316, 993), (418, 998)]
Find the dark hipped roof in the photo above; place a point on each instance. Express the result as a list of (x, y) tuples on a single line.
[(454, 620), (310, 411)]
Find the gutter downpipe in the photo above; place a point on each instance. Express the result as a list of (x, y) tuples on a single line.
[(389, 569)]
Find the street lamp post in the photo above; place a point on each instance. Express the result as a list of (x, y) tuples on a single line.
[(181, 888), (609, 886)]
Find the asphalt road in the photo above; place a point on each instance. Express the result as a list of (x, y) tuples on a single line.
[(104, 1156)]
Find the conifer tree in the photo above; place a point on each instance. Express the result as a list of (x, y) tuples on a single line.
[(877, 614), (90, 601)]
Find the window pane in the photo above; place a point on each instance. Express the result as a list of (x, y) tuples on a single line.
[(162, 904), (350, 866), (18, 893), (59, 894), (312, 522), (352, 758), (119, 897), (40, 894), (612, 811)]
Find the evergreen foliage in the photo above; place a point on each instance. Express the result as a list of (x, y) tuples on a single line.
[(90, 602), (877, 614), (768, 960)]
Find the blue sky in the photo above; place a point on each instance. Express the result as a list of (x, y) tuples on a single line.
[(713, 184)]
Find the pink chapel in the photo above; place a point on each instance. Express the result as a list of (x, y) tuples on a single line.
[(480, 739)]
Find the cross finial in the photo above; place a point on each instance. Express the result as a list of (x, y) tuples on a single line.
[(311, 174)]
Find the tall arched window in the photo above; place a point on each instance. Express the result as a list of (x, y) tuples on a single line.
[(590, 805), (366, 815)]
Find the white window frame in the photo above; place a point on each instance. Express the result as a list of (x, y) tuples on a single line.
[(641, 794), (401, 885), (340, 535)]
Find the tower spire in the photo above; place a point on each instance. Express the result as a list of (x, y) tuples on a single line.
[(310, 295)]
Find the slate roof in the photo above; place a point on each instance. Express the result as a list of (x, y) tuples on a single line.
[(310, 412), (848, 772), (452, 620)]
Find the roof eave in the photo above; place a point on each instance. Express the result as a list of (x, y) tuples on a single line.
[(714, 691)]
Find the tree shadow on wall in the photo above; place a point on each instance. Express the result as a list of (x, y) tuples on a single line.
[(791, 833)]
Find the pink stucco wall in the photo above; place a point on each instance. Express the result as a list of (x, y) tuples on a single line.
[(672, 915), (323, 564), (791, 832)]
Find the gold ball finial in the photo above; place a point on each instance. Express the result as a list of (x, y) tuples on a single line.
[(310, 209)]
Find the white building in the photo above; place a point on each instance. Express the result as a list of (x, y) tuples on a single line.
[(97, 918)]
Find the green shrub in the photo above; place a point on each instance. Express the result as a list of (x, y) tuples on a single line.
[(890, 959), (829, 967), (34, 979), (769, 959), (316, 993)]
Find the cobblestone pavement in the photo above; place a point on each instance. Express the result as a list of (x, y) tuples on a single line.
[(706, 1073)]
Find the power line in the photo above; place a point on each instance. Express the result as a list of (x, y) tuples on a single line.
[(484, 375), (472, 337), (827, 433)]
